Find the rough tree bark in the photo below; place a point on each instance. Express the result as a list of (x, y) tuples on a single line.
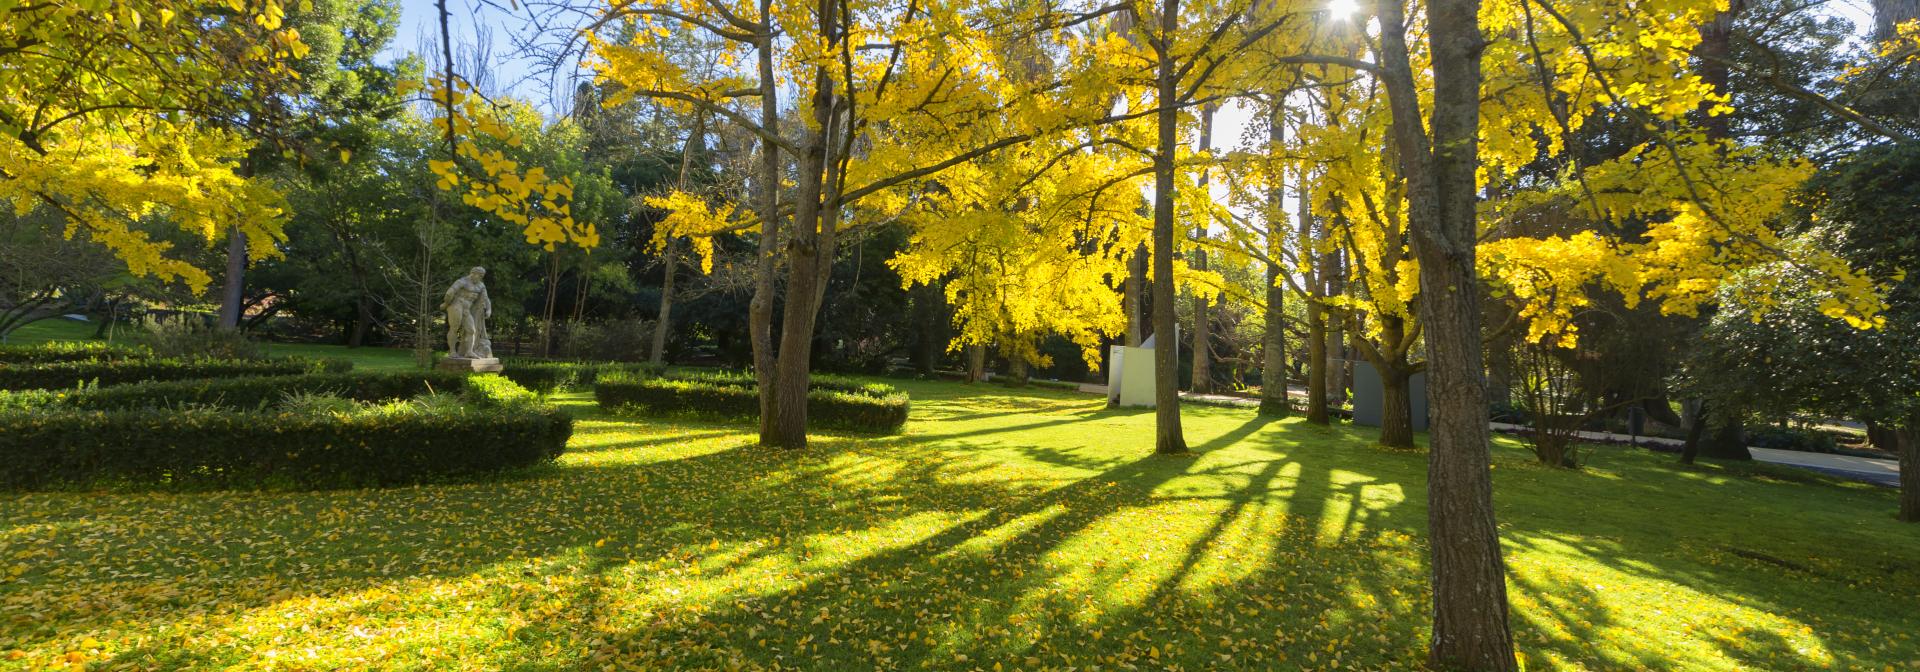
[(1396, 407), (1470, 629), (1909, 440), (760, 308), (233, 291), (1169, 438), (809, 255), (1890, 13), (1134, 287)]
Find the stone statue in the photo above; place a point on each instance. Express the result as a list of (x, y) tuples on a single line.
[(467, 309)]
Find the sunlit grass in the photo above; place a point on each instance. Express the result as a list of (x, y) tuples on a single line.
[(1029, 530)]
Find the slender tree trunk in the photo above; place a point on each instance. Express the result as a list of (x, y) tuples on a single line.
[(976, 363), (1273, 348), (671, 260), (1470, 629), (760, 308), (1339, 372), (362, 320), (1273, 356), (1169, 438), (1202, 315), (233, 292), (1909, 439), (1317, 356), (1135, 288), (1017, 372)]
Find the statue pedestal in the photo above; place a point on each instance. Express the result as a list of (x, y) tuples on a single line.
[(481, 364)]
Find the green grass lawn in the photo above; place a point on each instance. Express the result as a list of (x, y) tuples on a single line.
[(1004, 530)]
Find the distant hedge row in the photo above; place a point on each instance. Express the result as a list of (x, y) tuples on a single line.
[(56, 375), (832, 403), (69, 351), (236, 433), (547, 377)]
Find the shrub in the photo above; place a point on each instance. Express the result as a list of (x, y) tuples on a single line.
[(393, 445), (64, 375), (1804, 440), (497, 391), (189, 336), (69, 351), (832, 403), (263, 391), (547, 377)]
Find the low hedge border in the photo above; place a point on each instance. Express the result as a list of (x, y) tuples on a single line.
[(492, 426), (832, 403), (549, 376), (255, 391), (69, 351), (72, 374)]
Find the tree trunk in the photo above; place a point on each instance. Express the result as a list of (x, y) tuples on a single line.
[(1017, 371), (1729, 438), (1273, 348), (1169, 438), (1889, 14), (1339, 373), (1713, 52), (1470, 628), (1202, 316), (362, 320), (233, 293), (671, 261), (1909, 437), (1273, 359), (1396, 407), (976, 363), (1500, 373), (809, 253), (760, 308), (1696, 431), (1317, 357), (1134, 289), (1883, 437)]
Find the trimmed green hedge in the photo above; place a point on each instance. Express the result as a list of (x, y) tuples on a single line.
[(492, 425), (71, 374), (69, 351), (833, 403), (548, 376), (224, 448), (257, 391)]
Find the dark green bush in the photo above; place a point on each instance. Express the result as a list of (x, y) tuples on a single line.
[(832, 403), (69, 351), (71, 374), (196, 337), (259, 391), (200, 447), (1804, 440)]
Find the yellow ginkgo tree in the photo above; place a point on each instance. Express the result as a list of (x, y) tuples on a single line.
[(118, 116)]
